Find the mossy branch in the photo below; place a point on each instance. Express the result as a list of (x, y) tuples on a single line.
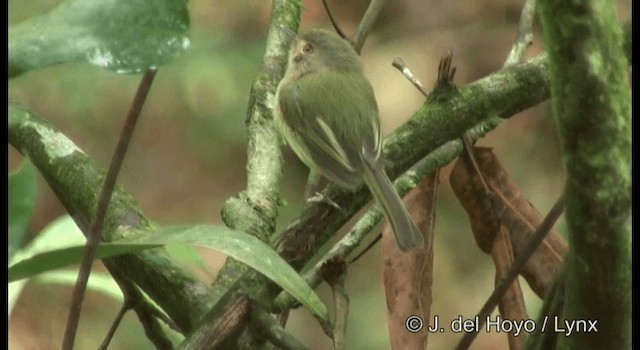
[(592, 107), (77, 179)]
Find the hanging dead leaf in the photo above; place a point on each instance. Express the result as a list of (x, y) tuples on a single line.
[(408, 275), (511, 306), (514, 212)]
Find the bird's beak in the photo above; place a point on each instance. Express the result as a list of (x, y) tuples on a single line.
[(293, 36)]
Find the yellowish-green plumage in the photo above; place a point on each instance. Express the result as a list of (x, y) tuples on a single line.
[(327, 112)]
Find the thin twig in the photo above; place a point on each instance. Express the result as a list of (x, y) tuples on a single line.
[(333, 21), (114, 325), (366, 249), (514, 270), (93, 236), (153, 328), (524, 38), (148, 315), (551, 308), (402, 67), (364, 27)]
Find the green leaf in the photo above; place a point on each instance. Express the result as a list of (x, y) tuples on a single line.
[(22, 199), (187, 255), (247, 249), (61, 232), (126, 36), (238, 245), (58, 258)]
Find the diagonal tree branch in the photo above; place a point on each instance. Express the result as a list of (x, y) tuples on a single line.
[(370, 16), (76, 180), (524, 37)]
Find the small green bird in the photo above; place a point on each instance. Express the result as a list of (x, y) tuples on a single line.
[(326, 110)]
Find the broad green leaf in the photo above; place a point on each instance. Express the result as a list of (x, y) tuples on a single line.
[(126, 36), (22, 199), (247, 249), (61, 232), (58, 258), (238, 245), (187, 255)]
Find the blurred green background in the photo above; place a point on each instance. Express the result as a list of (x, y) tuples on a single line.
[(188, 154)]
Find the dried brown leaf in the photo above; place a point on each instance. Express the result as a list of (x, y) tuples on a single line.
[(514, 212), (408, 275), (512, 306)]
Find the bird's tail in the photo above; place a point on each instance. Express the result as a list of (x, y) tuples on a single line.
[(407, 233)]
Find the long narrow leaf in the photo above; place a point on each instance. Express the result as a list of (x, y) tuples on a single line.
[(238, 245), (58, 258), (247, 249)]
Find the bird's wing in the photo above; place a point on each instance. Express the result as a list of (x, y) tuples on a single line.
[(338, 124)]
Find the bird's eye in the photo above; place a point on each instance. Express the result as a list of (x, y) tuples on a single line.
[(307, 48)]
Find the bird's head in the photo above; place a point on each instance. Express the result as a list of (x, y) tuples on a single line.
[(320, 49)]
